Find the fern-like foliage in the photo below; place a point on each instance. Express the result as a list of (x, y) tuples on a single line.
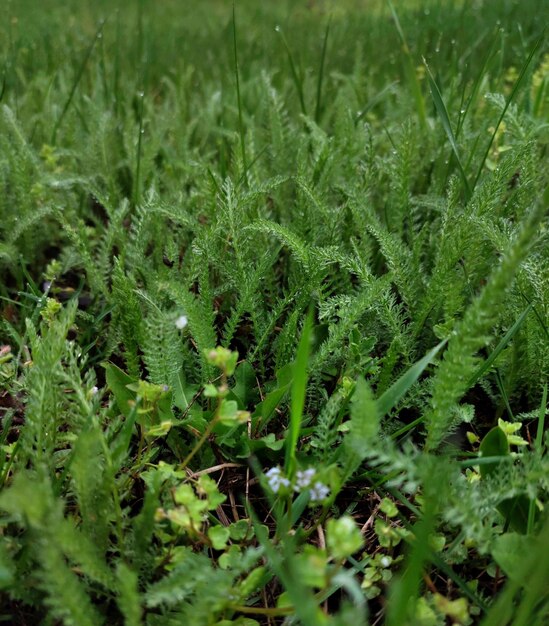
[(472, 333), (128, 208)]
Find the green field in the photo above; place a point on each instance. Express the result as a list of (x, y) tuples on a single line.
[(274, 313)]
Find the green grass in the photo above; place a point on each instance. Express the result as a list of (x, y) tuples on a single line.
[(274, 310)]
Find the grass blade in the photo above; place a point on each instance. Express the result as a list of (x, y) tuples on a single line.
[(297, 78), (396, 391), (239, 102), (321, 72), (299, 387), (539, 451), (510, 99), (379, 97), (76, 81), (445, 119), (410, 70), (541, 421), (3, 89), (499, 348), (476, 85), (140, 132)]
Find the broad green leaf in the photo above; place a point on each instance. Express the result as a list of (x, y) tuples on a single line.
[(311, 565), (121, 444), (515, 510), (494, 444), (183, 393), (245, 384), (228, 412), (509, 550), (247, 446), (343, 537), (265, 409), (118, 382), (397, 390), (218, 535), (255, 580)]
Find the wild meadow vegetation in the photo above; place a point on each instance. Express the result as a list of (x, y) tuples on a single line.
[(274, 313)]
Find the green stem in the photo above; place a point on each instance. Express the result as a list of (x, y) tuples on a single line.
[(283, 610), (200, 442)]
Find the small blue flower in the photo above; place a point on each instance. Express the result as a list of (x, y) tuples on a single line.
[(275, 479), (319, 492), (304, 479)]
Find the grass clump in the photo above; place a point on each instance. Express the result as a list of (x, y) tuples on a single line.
[(274, 303)]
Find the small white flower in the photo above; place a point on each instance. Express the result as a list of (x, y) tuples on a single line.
[(319, 492), (181, 322), (385, 561), (304, 478), (92, 393), (275, 479)]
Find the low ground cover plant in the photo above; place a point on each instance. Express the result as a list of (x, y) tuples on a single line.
[(274, 311)]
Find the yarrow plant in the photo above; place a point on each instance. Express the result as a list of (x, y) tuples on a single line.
[(327, 287)]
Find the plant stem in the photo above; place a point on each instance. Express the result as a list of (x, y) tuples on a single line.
[(283, 610), (200, 442)]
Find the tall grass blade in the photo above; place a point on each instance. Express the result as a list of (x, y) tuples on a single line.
[(392, 396), (296, 76), (76, 81), (541, 422), (299, 387), (239, 101), (485, 367), (379, 97), (140, 133), (116, 69), (476, 86), (321, 72), (410, 70), (539, 448), (508, 102), (447, 125)]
